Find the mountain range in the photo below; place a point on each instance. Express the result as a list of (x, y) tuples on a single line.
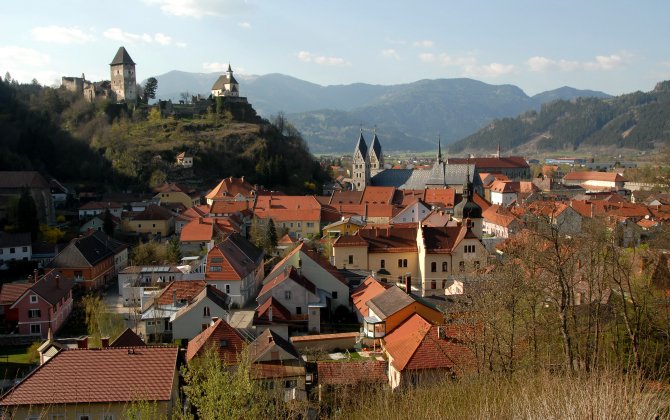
[(407, 117)]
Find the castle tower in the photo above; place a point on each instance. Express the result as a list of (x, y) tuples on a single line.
[(124, 84), (376, 156), (360, 168)]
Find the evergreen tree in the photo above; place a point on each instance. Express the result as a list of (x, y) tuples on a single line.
[(270, 237), (173, 251), (108, 224), (27, 220)]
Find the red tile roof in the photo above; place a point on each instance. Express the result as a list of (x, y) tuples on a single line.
[(81, 376), (346, 197), (185, 290), (238, 256), (351, 373), (416, 345), (444, 197), (231, 187), (378, 195), (197, 230), (227, 341), (169, 187), (283, 208), (279, 311), (154, 212), (498, 216), (12, 291), (288, 273), (492, 162), (229, 207), (368, 289), (594, 176)]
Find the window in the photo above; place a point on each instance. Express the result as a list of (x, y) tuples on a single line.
[(382, 264), (35, 329), (227, 288), (216, 260), (445, 267), (433, 284), (78, 275), (12, 250), (34, 313), (58, 417), (205, 311), (223, 343), (84, 417), (461, 266), (287, 295), (215, 268), (33, 298), (351, 259), (310, 224), (469, 249), (400, 263), (433, 267), (24, 249), (334, 295), (203, 327), (298, 310), (404, 263), (290, 383), (153, 225)]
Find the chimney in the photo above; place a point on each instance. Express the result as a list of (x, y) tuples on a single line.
[(57, 281), (174, 298), (270, 314), (82, 342), (36, 275), (105, 342), (408, 284), (199, 220), (242, 178)]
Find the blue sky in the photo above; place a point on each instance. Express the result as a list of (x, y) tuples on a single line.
[(613, 46)]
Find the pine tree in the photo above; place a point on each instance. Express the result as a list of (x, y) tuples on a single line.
[(173, 251), (108, 224), (27, 220), (270, 237)]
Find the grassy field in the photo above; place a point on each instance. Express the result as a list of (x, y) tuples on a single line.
[(14, 361)]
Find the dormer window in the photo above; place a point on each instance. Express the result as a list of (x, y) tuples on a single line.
[(33, 298)]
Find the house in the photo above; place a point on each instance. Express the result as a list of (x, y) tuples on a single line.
[(195, 317), (514, 167), (235, 266), (159, 308), (391, 307), (197, 236), (154, 220), (44, 305), (276, 363), (91, 260), (59, 192), (13, 183), (369, 288), (127, 338), (136, 281), (184, 160), (414, 213), (226, 85), (171, 192), (332, 375), (96, 383), (97, 208), (97, 222), (317, 270), (561, 216), (344, 226), (421, 351), (14, 247), (505, 193), (9, 293), (292, 293), (231, 189), (499, 222), (227, 341), (189, 214), (595, 180), (300, 215)]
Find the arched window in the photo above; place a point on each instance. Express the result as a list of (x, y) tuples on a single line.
[(205, 311), (445, 267), (433, 267)]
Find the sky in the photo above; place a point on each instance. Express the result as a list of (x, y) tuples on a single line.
[(612, 46)]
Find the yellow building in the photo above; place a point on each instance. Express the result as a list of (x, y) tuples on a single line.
[(174, 193), (154, 220), (346, 226), (300, 215)]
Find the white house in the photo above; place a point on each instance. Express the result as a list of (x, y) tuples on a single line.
[(414, 213), (595, 180), (14, 247), (195, 317)]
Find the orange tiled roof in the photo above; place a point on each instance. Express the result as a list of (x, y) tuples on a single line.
[(378, 195), (229, 207), (82, 376), (498, 216), (367, 290), (445, 197), (594, 176), (12, 291), (289, 273), (239, 258), (226, 339), (351, 373), (282, 208), (231, 187), (416, 345), (492, 162), (185, 290), (197, 230), (279, 311)]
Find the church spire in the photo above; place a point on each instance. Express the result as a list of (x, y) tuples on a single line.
[(498, 150), (439, 148)]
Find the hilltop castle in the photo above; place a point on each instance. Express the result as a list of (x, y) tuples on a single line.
[(123, 85)]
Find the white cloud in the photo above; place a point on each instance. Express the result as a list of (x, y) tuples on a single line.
[(425, 43), (12, 55), (427, 57), (599, 63), (488, 70), (245, 25), (215, 67), (200, 8), (61, 35), (116, 34), (390, 53), (307, 57)]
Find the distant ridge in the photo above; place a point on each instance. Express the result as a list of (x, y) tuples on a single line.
[(408, 116)]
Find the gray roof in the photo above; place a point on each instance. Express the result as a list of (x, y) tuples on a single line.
[(8, 240), (376, 147), (87, 251), (223, 80), (419, 179), (20, 179), (362, 146), (122, 57), (389, 302)]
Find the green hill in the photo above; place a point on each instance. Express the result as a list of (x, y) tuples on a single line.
[(110, 145), (633, 121)]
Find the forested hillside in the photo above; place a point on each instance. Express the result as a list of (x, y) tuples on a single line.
[(111, 145), (634, 121)]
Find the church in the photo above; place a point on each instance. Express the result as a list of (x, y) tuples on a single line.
[(368, 170)]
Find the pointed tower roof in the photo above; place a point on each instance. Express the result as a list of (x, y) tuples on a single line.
[(467, 208), (439, 149), (121, 57), (361, 145), (376, 146)]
